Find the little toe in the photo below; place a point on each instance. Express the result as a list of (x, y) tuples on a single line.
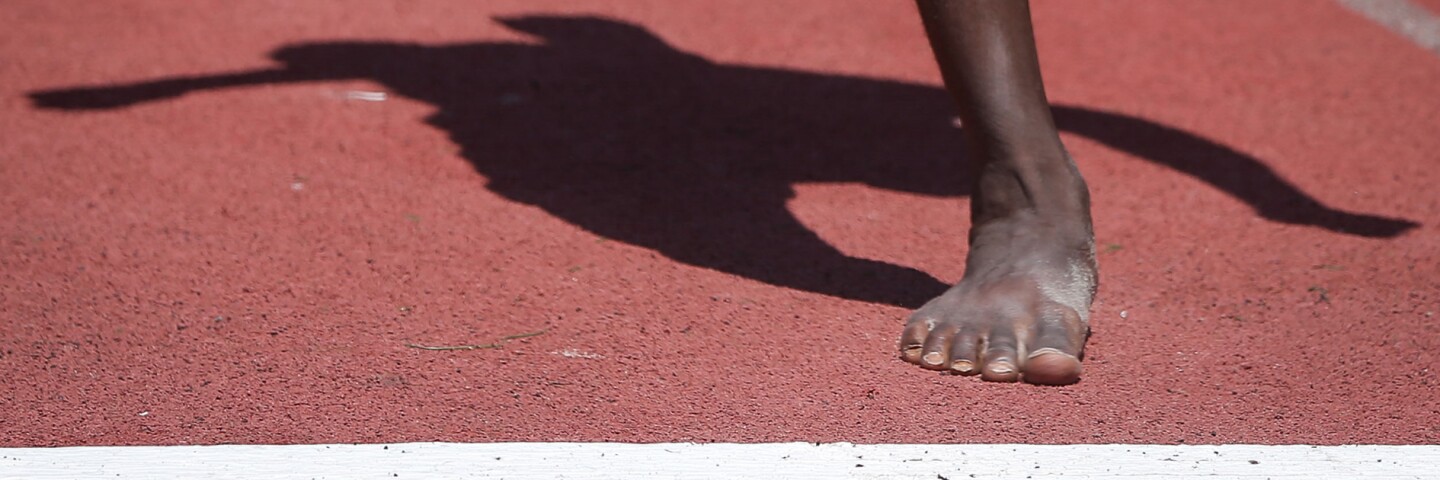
[(912, 340)]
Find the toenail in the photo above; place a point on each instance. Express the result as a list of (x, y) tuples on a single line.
[(934, 358), (962, 366), (1001, 368), (1047, 350)]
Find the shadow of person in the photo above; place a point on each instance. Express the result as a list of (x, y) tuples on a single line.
[(607, 127)]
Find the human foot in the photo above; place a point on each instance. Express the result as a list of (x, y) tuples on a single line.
[(1022, 309)]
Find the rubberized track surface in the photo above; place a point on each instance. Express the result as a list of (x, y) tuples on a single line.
[(718, 213)]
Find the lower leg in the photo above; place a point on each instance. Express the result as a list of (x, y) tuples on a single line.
[(986, 51), (1023, 304)]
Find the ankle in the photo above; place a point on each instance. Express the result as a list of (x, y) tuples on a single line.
[(1045, 184)]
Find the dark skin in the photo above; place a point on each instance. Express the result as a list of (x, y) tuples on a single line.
[(1021, 311)]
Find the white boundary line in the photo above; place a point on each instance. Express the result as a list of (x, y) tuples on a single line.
[(722, 461), (1402, 17)]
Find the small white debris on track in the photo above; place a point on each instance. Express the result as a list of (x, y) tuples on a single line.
[(366, 96), (572, 353)]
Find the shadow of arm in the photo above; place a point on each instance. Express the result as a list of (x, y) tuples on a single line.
[(1244, 177), (124, 95)]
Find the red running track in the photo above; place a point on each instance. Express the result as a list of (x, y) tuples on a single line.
[(718, 213)]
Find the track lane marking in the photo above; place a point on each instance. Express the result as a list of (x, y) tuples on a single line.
[(1402, 17), (519, 461)]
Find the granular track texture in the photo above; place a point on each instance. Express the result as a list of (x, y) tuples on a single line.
[(217, 230)]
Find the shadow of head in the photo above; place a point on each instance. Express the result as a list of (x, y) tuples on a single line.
[(596, 37), (584, 32)]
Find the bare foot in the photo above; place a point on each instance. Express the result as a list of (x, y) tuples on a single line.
[(1022, 309)]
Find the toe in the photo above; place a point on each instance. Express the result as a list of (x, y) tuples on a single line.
[(936, 351), (912, 340), (964, 352), (1054, 357), (1048, 366), (1000, 359)]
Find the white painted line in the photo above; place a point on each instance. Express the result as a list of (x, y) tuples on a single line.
[(519, 461), (1403, 17)]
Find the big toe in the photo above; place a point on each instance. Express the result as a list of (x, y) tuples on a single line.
[(1049, 366)]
